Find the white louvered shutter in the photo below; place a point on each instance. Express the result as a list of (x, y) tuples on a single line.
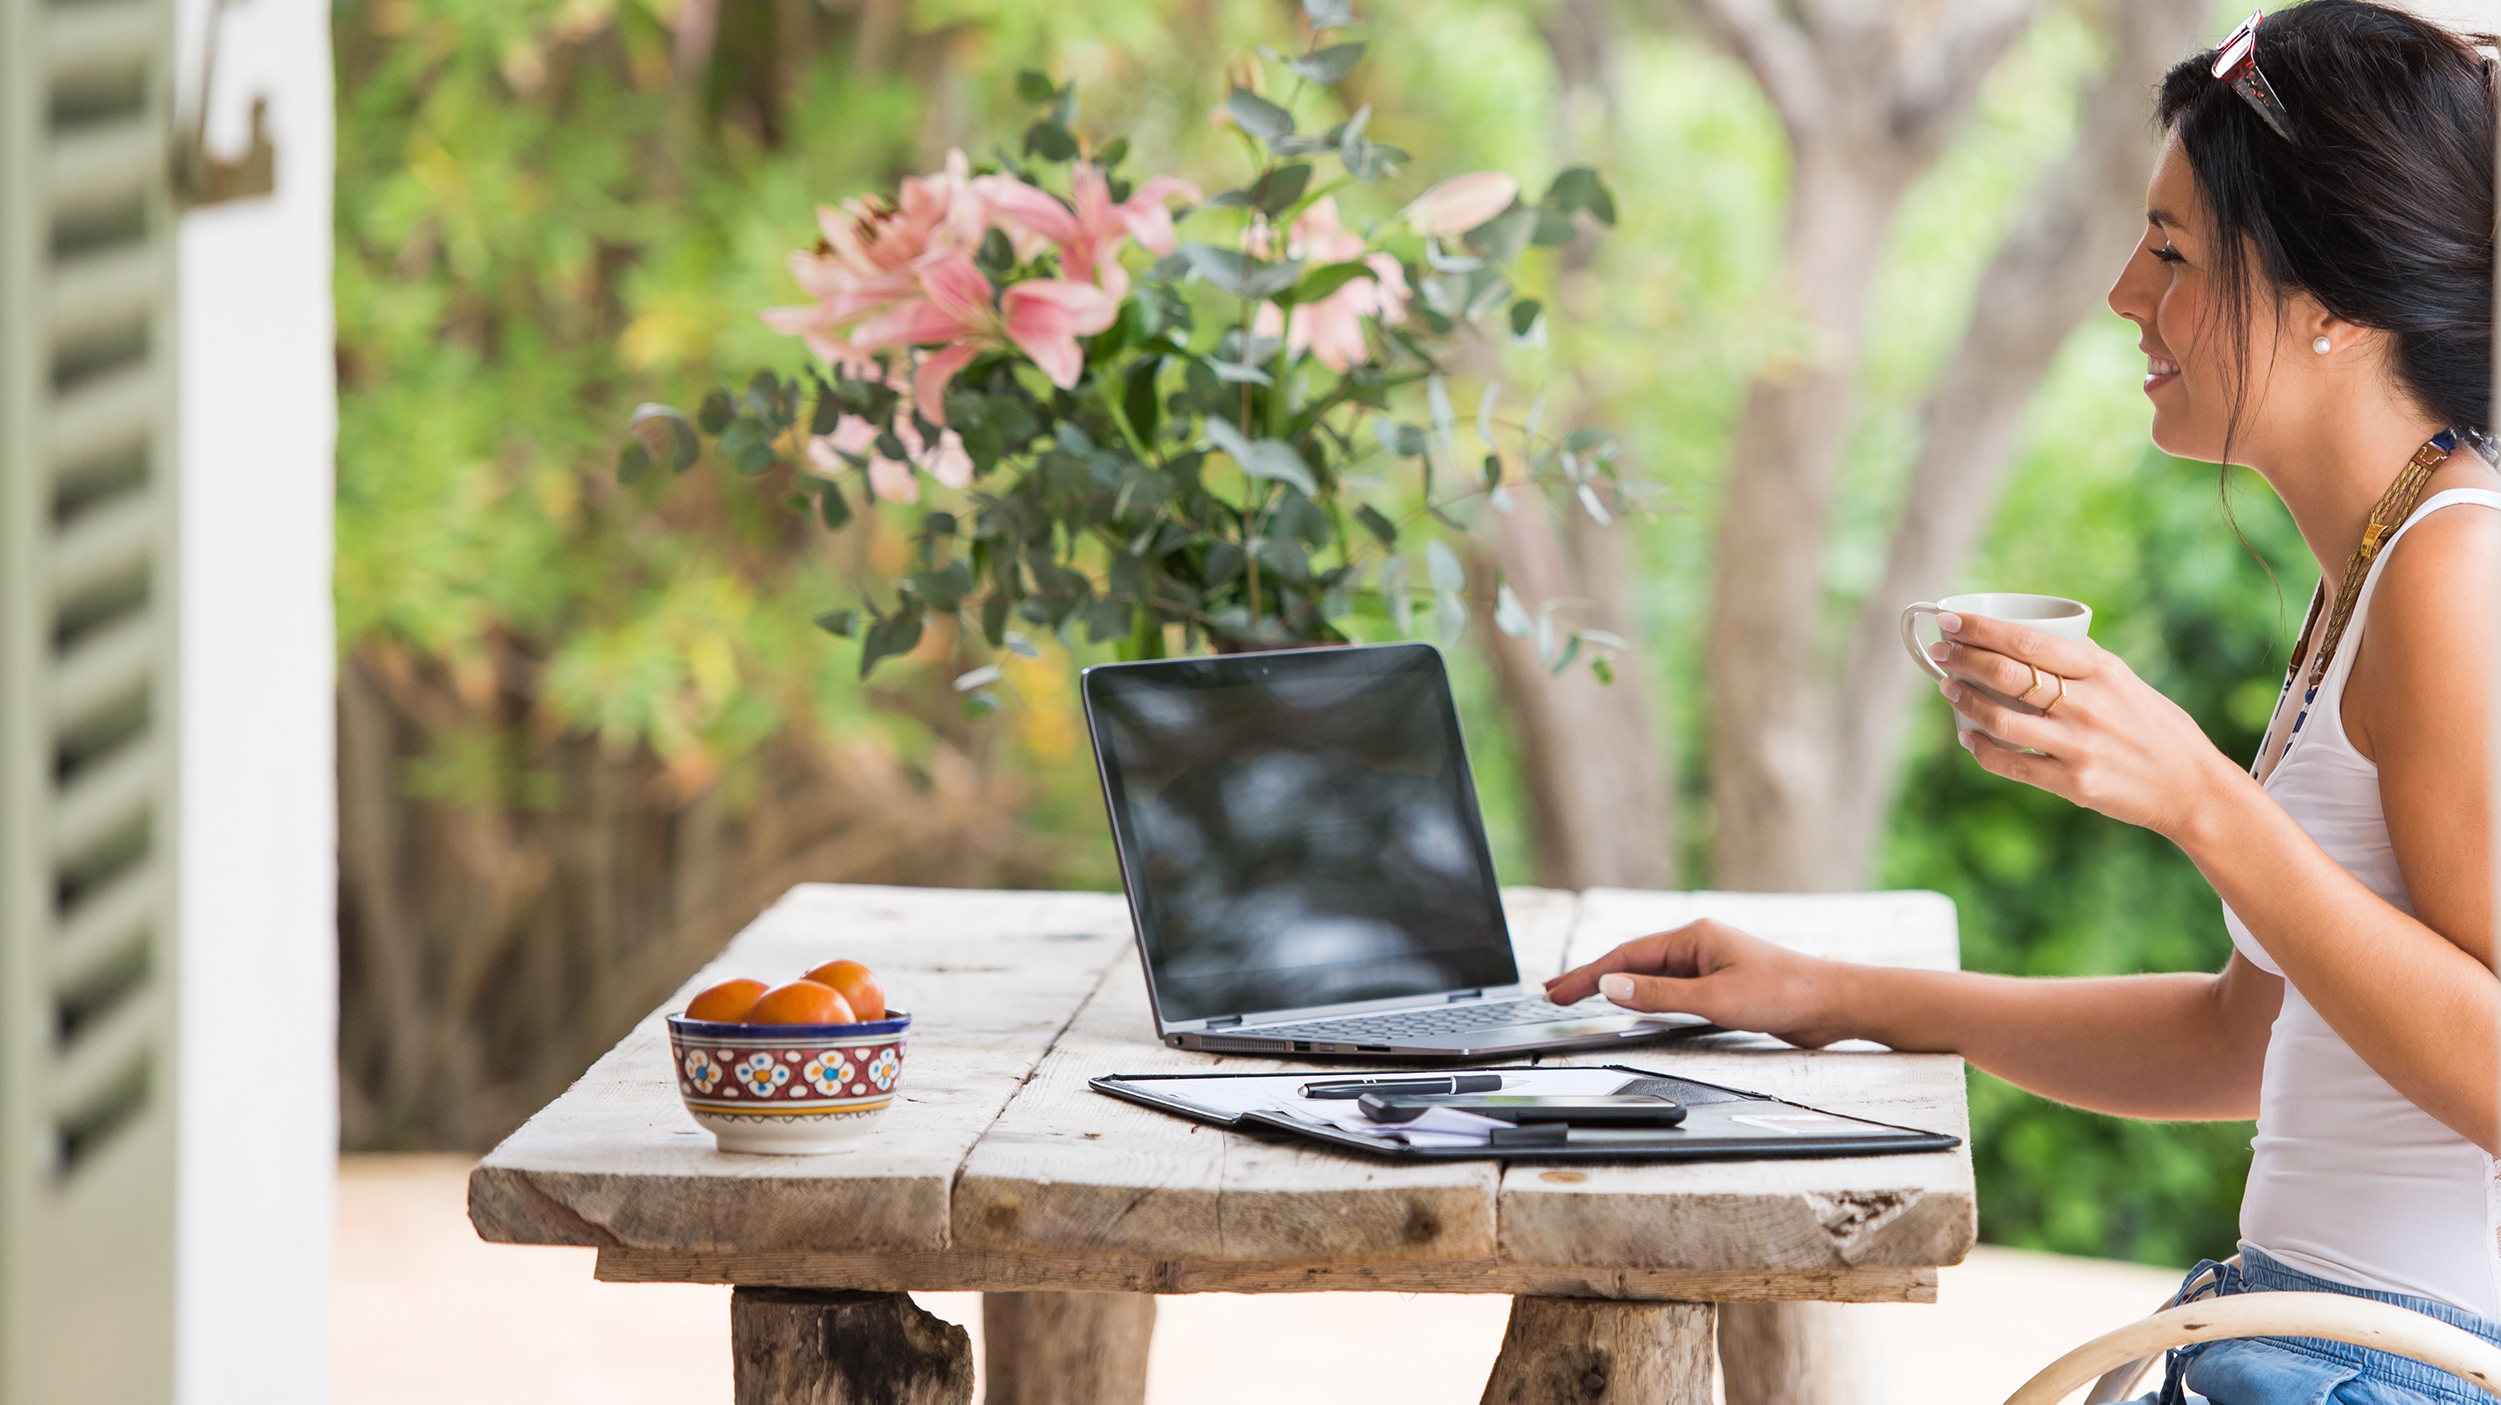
[(86, 702)]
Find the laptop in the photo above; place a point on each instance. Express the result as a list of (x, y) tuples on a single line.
[(1306, 864)]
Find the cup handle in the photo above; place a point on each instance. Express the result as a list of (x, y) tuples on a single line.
[(1910, 637)]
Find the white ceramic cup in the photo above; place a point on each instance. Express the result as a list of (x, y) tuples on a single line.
[(2050, 614)]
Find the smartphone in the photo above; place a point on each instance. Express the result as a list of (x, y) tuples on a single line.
[(1595, 1110)]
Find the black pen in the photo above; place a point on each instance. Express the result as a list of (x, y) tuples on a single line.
[(1357, 1087)]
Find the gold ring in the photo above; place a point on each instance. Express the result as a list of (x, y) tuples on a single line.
[(2062, 695), (2025, 697)]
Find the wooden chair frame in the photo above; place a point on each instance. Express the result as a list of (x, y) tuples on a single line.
[(2125, 1353)]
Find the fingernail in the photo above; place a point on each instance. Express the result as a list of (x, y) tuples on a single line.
[(1940, 651), (1964, 738), (1950, 622), (1618, 988), (1953, 691)]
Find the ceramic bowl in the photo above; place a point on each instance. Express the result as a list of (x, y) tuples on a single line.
[(787, 1089)]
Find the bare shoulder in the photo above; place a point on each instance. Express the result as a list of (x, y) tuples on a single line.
[(2426, 655)]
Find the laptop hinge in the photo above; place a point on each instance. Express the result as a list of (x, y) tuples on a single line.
[(1458, 995), (1223, 1022)]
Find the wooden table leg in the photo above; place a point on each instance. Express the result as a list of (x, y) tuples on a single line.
[(1793, 1354), (1065, 1348), (810, 1346), (1581, 1351)]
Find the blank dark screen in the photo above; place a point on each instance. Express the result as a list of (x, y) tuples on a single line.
[(1298, 829)]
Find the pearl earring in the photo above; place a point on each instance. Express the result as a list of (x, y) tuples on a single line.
[(2322, 346)]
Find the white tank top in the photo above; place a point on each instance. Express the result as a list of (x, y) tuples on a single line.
[(2350, 1180)]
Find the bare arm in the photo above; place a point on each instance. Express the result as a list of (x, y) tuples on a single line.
[(2416, 1001), (2183, 1047)]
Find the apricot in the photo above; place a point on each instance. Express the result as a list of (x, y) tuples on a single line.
[(727, 1002), (858, 985), (802, 1002)]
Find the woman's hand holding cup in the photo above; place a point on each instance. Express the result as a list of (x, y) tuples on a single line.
[(2107, 740)]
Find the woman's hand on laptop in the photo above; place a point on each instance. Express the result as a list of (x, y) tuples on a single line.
[(1711, 969)]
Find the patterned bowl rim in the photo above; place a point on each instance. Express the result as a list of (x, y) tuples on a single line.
[(895, 1022)]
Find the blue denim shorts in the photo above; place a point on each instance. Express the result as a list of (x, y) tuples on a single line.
[(2308, 1370)]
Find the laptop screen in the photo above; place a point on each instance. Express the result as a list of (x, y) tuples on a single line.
[(1297, 829)]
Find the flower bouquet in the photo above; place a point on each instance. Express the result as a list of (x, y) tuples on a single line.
[(1160, 442)]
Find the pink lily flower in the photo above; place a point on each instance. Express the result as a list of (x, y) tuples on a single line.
[(1042, 317), (1089, 236), (864, 263), (1331, 329), (1461, 203)]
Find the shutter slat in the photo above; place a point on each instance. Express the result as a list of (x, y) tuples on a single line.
[(101, 1058), (104, 545), (110, 162), (109, 667), (108, 799), (108, 413), (85, 37), (105, 293), (102, 928)]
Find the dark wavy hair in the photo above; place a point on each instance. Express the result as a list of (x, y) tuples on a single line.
[(2381, 207)]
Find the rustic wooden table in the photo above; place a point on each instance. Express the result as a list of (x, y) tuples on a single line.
[(998, 1170)]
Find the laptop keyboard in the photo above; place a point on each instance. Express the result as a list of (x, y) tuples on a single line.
[(1438, 1019)]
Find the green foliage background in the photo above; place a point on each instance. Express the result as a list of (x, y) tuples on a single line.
[(539, 227)]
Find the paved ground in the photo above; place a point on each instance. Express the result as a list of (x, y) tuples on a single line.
[(425, 1313)]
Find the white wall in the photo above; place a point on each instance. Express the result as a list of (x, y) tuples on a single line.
[(259, 1123)]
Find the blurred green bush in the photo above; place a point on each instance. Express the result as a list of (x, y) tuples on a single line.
[(550, 210)]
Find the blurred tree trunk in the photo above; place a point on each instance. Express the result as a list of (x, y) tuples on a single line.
[(1594, 760), (1804, 733), (1804, 742)]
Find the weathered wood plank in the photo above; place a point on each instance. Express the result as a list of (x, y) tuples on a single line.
[(1576, 1349), (990, 979), (1068, 1170), (966, 1270), (1853, 1212)]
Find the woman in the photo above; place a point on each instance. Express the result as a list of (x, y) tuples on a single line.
[(2314, 294)]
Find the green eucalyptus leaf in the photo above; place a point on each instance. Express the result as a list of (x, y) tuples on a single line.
[(1050, 141), (1602, 670), (996, 254), (832, 508), (1501, 238), (1035, 87), (945, 589), (1258, 116), (748, 445), (633, 461), (1377, 524), (1328, 14), (1450, 616), (666, 434), (1277, 191), (1602, 205), (1272, 459), (1524, 315), (1406, 441), (1493, 472), (1112, 153), (994, 620), (1510, 616), (1108, 619), (1552, 228), (715, 414), (1321, 282), (1572, 189), (1330, 64), (838, 623), (1224, 561), (1138, 397), (898, 633), (980, 677), (1597, 510), (1442, 565), (1394, 594)]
